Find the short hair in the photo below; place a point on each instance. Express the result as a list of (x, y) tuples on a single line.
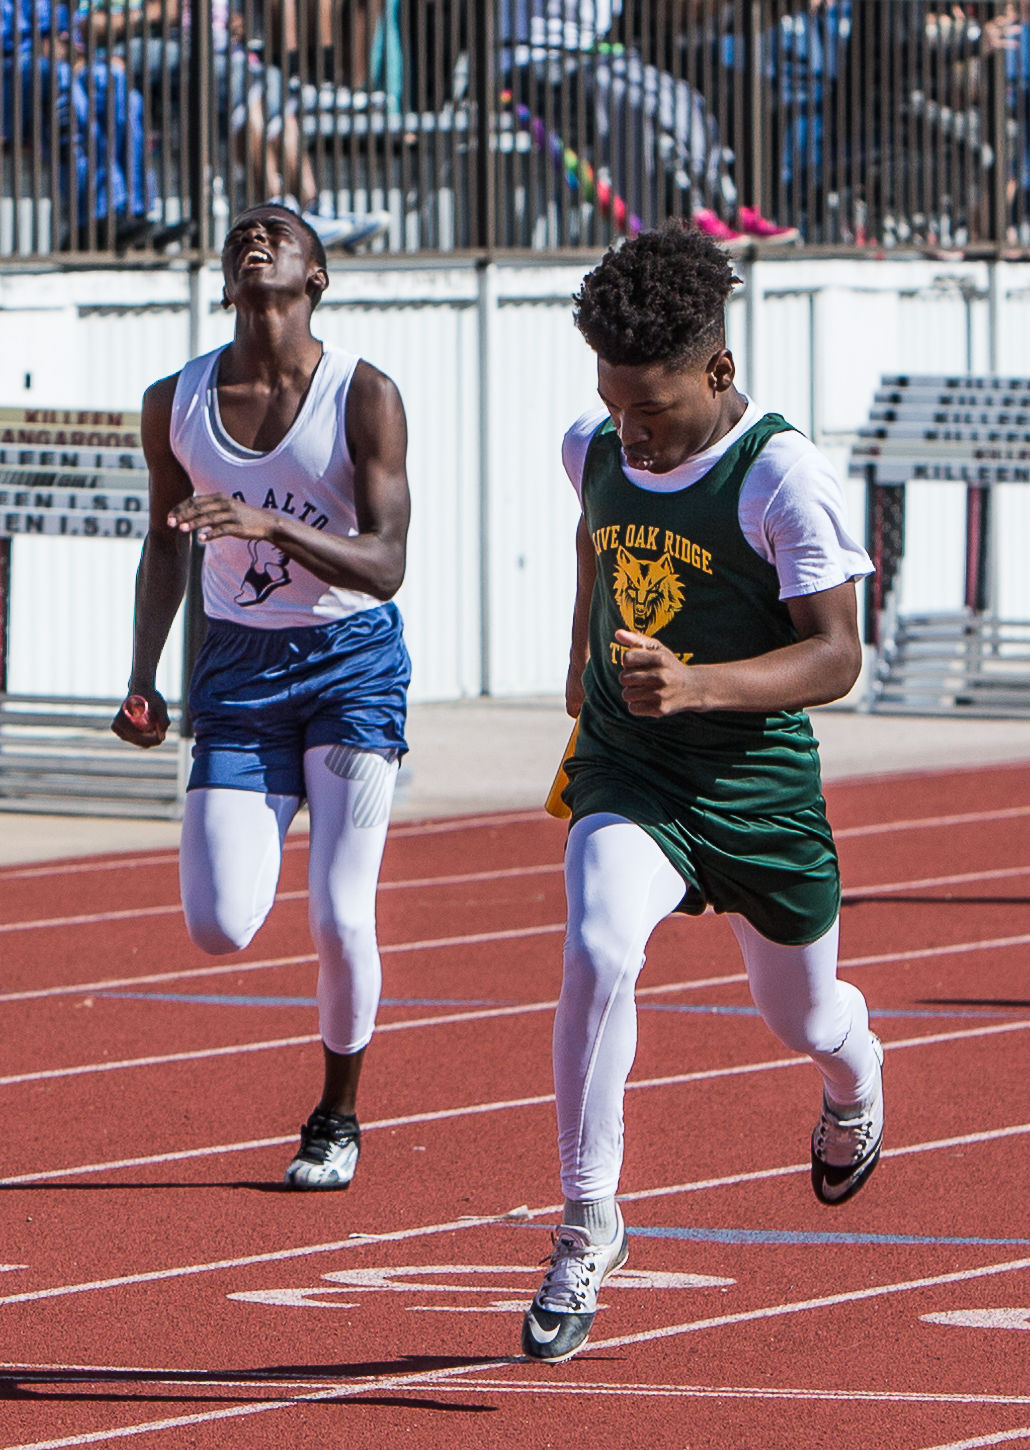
[(315, 245), (658, 298)]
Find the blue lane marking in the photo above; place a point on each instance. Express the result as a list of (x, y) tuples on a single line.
[(228, 1001), (790, 1236), (723, 1011)]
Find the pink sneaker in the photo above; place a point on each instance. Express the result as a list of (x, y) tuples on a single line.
[(713, 226), (756, 225)]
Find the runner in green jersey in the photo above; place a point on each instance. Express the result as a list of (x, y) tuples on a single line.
[(716, 600)]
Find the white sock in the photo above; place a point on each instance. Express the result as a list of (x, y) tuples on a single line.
[(597, 1217)]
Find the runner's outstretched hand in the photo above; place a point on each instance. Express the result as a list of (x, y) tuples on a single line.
[(214, 515)]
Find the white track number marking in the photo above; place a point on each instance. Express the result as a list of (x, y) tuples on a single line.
[(420, 1279), (981, 1318)]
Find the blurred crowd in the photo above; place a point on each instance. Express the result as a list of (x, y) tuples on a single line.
[(843, 122)]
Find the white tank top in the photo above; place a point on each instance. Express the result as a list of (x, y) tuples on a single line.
[(309, 476)]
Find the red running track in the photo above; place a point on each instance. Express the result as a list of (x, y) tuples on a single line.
[(157, 1287)]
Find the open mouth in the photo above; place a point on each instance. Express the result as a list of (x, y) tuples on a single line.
[(256, 257)]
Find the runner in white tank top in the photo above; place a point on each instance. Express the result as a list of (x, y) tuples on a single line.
[(285, 458), (308, 477)]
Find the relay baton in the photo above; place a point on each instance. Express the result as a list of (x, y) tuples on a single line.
[(554, 805), (137, 710)]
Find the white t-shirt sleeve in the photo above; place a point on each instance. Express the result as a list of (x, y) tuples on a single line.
[(793, 514), (575, 444), (792, 509)]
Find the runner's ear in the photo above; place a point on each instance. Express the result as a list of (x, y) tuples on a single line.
[(318, 281)]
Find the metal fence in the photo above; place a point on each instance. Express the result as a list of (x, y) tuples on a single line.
[(137, 127)]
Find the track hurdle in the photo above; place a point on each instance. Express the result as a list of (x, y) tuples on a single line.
[(974, 433), (76, 473)]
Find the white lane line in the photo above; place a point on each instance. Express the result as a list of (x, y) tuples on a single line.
[(1003, 1437), (96, 1374), (443, 1019), (93, 918), (804, 1306), (507, 1105), (466, 878), (616, 1389), (201, 1054), (337, 1392), (517, 1010), (513, 873), (966, 878), (142, 860), (429, 1378), (167, 1378), (150, 979), (462, 823), (952, 949), (89, 865), (273, 1256), (478, 938), (420, 883), (761, 1175), (415, 883), (503, 1106), (931, 823), (434, 1116), (187, 973)]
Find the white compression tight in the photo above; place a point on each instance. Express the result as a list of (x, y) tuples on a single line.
[(229, 868), (620, 884)]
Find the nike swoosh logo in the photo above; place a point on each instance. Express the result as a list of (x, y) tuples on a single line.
[(833, 1191), (542, 1336)]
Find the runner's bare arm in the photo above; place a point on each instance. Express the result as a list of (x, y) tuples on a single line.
[(586, 571), (372, 560), (163, 568), (821, 666)]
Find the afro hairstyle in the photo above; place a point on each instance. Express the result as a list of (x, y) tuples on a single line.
[(658, 298)]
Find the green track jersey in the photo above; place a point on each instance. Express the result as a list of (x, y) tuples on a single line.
[(725, 793)]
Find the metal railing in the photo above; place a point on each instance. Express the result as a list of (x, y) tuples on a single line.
[(137, 127)]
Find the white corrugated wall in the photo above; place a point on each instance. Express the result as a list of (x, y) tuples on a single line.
[(492, 371), (543, 376)]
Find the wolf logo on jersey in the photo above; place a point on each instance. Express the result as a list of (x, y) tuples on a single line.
[(647, 591), (267, 573)]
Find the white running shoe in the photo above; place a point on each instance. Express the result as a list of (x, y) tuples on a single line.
[(328, 1154), (558, 1320), (349, 229), (846, 1145)]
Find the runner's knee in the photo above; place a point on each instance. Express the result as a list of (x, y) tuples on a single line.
[(340, 934), (217, 930), (594, 962)]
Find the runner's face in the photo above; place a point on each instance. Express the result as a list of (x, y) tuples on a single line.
[(665, 415), (267, 247)]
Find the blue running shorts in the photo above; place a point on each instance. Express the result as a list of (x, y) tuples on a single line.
[(260, 698)]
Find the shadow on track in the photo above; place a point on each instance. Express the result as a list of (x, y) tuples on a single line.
[(130, 1386)]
